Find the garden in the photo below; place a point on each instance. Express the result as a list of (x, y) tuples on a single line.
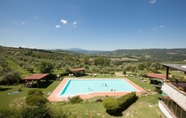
[(143, 105)]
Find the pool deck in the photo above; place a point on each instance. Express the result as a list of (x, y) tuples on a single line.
[(54, 96)]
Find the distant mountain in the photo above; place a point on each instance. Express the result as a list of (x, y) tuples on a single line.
[(84, 51)]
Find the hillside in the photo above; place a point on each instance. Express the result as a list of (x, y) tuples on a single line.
[(149, 54), (26, 61)]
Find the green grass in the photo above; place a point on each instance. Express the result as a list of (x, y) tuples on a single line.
[(12, 64), (145, 106), (144, 85), (15, 100)]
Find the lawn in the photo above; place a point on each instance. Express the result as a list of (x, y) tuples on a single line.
[(145, 106), (16, 100)]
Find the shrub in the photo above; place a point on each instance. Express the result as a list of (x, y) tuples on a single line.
[(115, 106), (36, 92), (111, 105), (36, 112), (76, 99), (9, 113), (126, 100), (35, 98)]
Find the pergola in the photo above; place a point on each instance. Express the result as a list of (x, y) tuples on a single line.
[(77, 70), (179, 67), (35, 77), (157, 76)]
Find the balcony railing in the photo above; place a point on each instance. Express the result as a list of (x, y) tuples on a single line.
[(175, 94)]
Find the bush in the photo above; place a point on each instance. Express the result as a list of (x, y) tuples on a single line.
[(115, 106), (9, 113), (76, 99), (36, 92), (111, 105), (35, 98), (36, 112), (126, 100)]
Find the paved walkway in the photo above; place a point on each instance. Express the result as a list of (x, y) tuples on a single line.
[(55, 94)]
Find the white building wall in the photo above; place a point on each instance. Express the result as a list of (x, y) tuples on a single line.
[(164, 110), (175, 95)]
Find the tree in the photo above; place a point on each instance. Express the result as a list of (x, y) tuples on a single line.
[(46, 67), (85, 59), (11, 77)]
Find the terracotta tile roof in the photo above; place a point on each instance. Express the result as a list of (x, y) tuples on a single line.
[(35, 77), (154, 75), (77, 69)]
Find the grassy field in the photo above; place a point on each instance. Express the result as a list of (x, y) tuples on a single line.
[(145, 106), (12, 64), (16, 100)]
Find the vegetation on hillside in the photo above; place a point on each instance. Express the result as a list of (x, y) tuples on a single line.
[(16, 63), (149, 54)]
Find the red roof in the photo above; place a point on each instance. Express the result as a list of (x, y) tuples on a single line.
[(154, 75), (35, 77), (77, 69)]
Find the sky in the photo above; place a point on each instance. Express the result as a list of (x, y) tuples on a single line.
[(93, 24)]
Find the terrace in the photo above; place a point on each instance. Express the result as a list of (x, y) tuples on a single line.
[(173, 102)]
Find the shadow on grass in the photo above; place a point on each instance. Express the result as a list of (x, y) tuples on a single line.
[(4, 89), (42, 84)]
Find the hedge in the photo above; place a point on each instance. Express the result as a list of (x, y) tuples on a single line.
[(111, 105), (115, 106)]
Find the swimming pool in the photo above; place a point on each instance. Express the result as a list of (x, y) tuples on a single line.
[(85, 86)]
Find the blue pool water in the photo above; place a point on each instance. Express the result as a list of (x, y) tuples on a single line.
[(85, 86)]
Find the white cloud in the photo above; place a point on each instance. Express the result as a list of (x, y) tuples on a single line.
[(74, 26), (64, 21), (13, 21), (74, 23), (162, 26), (139, 30), (154, 29), (23, 23), (58, 26), (10, 28), (35, 17), (152, 1)]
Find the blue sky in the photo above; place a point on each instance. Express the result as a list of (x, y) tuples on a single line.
[(93, 24)]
